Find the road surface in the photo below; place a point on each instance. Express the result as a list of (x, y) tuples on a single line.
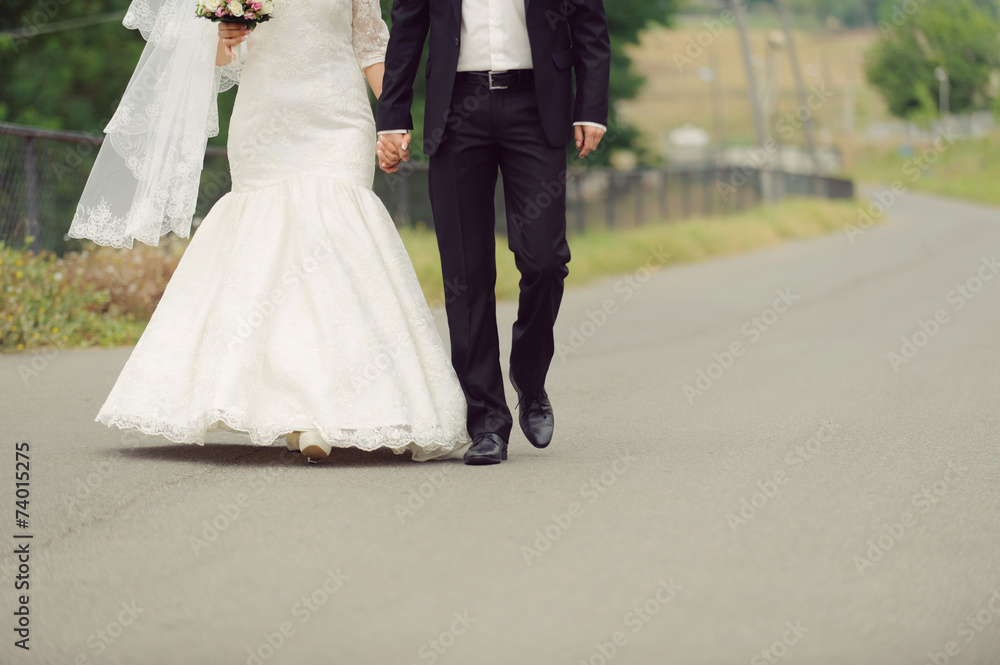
[(788, 456)]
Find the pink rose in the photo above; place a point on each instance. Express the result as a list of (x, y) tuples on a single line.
[(220, 12), (256, 6), (250, 15)]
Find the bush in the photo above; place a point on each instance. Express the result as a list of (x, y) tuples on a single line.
[(100, 297)]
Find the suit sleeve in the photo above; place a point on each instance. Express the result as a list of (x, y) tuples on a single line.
[(410, 23), (588, 25)]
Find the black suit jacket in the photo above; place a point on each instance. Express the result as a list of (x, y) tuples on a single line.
[(566, 36)]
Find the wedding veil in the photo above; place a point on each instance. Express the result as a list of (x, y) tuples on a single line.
[(145, 181)]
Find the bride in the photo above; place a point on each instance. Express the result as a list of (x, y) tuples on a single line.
[(295, 310)]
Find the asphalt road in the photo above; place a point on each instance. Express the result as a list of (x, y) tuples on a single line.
[(742, 473)]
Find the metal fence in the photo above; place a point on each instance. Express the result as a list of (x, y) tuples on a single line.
[(42, 174)]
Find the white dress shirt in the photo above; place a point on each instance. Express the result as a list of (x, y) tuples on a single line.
[(494, 38)]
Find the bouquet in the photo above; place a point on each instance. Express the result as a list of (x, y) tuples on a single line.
[(248, 13)]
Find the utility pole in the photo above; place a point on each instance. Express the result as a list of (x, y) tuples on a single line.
[(758, 117), (800, 85), (944, 93), (718, 101), (710, 75), (758, 114)]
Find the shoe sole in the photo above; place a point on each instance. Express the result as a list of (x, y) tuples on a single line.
[(314, 453), (483, 460)]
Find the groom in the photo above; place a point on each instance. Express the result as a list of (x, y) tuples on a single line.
[(500, 98)]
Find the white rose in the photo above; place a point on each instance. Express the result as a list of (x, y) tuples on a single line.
[(268, 7), (212, 5), (236, 8)]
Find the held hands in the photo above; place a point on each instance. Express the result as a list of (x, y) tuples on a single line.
[(588, 138), (231, 34), (393, 149)]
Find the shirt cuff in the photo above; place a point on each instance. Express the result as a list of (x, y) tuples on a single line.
[(590, 124), (394, 131)]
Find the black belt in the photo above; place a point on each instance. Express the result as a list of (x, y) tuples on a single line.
[(516, 78)]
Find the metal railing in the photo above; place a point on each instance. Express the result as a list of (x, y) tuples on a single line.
[(43, 173)]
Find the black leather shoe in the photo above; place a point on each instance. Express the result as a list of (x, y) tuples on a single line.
[(488, 448), (536, 417)]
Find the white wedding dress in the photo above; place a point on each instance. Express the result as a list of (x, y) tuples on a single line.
[(295, 306)]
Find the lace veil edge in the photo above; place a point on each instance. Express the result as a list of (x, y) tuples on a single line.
[(145, 180)]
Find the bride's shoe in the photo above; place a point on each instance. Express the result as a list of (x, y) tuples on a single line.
[(292, 441), (312, 445)]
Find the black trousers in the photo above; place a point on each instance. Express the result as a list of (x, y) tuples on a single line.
[(490, 132)]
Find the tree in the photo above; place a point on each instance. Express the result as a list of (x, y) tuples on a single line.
[(959, 36), (69, 79), (72, 79)]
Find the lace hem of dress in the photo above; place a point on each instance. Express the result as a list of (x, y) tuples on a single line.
[(429, 441)]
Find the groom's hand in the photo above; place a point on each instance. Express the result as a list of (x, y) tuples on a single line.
[(588, 138), (393, 149)]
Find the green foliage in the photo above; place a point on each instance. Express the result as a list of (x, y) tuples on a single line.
[(626, 21), (70, 79), (49, 301), (957, 35), (73, 79)]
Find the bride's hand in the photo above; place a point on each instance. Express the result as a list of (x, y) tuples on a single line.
[(231, 34), (393, 149)]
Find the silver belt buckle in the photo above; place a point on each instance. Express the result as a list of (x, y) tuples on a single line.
[(497, 87)]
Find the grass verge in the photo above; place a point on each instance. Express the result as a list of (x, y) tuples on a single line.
[(104, 297), (602, 254), (967, 169)]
